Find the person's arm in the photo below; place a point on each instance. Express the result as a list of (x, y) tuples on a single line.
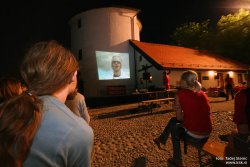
[(205, 102), (82, 107), (178, 109), (85, 113)]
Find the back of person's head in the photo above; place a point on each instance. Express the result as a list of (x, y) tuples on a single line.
[(166, 72), (189, 80), (9, 87), (20, 116), (48, 67)]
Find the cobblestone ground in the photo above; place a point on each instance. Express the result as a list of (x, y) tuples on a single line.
[(124, 135)]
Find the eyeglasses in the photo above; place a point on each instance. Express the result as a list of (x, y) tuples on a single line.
[(116, 62)]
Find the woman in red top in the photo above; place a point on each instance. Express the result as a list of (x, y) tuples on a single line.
[(192, 113)]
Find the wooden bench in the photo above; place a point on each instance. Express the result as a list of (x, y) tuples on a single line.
[(215, 150), (150, 104)]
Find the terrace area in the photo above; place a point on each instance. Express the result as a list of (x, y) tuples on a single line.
[(124, 136)]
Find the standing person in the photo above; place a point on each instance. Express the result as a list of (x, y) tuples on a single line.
[(166, 79), (229, 86), (59, 138), (192, 113), (76, 103)]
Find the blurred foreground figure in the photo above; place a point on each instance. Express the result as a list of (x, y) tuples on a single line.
[(43, 132), (239, 140), (9, 87)]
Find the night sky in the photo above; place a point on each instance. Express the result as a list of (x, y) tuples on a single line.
[(23, 23)]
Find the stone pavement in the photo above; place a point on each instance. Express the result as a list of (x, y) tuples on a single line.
[(124, 136)]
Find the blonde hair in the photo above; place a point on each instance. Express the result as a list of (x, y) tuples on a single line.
[(189, 80)]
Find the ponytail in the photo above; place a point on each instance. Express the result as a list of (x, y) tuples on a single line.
[(19, 119)]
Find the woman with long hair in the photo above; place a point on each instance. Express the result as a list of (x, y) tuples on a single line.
[(59, 138)]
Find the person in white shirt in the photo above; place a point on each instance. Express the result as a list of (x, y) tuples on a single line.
[(116, 64)]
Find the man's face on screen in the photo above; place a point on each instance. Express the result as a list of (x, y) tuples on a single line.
[(116, 65)]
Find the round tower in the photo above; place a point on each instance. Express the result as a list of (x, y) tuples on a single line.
[(100, 40)]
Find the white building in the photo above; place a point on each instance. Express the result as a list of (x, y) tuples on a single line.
[(212, 69), (99, 34)]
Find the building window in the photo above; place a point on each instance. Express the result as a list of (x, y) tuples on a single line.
[(80, 54), (240, 79), (79, 23), (199, 77), (140, 58), (245, 77)]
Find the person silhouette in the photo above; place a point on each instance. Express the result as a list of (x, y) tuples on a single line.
[(229, 83)]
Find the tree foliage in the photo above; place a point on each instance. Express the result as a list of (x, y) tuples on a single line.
[(191, 34), (230, 37)]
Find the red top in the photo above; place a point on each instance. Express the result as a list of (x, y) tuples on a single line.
[(196, 109), (166, 81), (240, 115)]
